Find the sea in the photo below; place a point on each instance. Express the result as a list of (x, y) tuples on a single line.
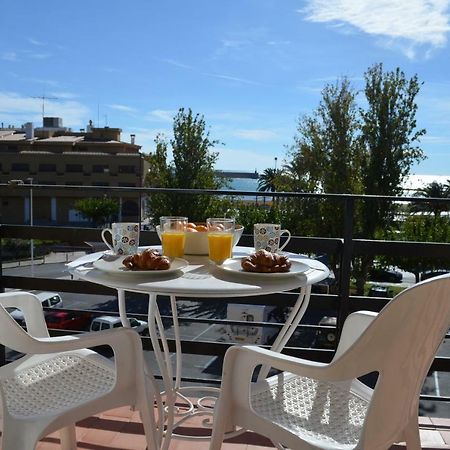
[(244, 184), (412, 182)]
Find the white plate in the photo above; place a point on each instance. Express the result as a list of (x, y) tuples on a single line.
[(234, 265), (117, 267)]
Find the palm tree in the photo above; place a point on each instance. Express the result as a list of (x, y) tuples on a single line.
[(266, 181), (433, 190)]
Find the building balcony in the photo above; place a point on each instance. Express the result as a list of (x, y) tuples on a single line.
[(122, 428)]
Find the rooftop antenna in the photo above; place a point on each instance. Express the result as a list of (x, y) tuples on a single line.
[(43, 97)]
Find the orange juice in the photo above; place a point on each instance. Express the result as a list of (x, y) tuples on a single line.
[(173, 243), (220, 246)]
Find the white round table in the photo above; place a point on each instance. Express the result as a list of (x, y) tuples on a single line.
[(200, 279)]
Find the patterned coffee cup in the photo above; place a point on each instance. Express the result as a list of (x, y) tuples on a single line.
[(125, 238), (267, 237)]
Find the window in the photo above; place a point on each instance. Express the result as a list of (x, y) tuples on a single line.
[(134, 323), (127, 169), (47, 167), (74, 168), (127, 184), (20, 167), (117, 325), (100, 168), (100, 183)]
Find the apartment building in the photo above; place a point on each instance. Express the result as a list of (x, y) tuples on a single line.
[(55, 155)]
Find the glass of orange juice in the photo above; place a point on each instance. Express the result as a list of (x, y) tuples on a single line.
[(220, 239), (173, 235)]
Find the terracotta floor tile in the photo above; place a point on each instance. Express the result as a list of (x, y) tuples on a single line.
[(129, 442), (445, 436), (124, 411), (122, 429)]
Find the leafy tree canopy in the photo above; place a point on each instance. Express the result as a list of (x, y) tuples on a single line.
[(192, 167), (98, 210)]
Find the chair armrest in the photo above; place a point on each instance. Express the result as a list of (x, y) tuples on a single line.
[(240, 363), (31, 307), (116, 339)]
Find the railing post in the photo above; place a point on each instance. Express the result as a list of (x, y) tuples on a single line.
[(346, 263), (2, 289)]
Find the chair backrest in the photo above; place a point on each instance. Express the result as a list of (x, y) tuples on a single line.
[(400, 344)]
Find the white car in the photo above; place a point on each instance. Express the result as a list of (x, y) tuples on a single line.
[(109, 322), (47, 299)]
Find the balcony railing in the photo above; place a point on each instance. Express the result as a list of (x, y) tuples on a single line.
[(343, 248)]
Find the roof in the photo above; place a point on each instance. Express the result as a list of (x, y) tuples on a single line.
[(62, 139), (13, 137)]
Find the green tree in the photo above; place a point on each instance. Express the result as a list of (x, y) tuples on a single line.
[(421, 229), (192, 167), (325, 157), (432, 190), (388, 139), (98, 210)]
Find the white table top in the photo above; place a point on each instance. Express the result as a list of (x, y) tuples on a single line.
[(202, 278)]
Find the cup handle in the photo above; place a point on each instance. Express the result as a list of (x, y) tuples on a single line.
[(287, 240), (104, 239)]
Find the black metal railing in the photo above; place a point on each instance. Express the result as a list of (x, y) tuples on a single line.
[(343, 248)]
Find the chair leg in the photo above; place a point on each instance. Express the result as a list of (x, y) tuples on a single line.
[(412, 435), (68, 438), (150, 429)]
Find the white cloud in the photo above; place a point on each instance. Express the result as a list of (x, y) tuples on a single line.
[(122, 108), (256, 135), (418, 22), (162, 115), (9, 56), (35, 42), (18, 109), (39, 55), (179, 64), (64, 95), (232, 78)]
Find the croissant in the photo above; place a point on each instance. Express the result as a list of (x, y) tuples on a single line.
[(149, 259), (263, 261)]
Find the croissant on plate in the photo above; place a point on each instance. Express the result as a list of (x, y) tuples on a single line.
[(149, 259), (263, 261)]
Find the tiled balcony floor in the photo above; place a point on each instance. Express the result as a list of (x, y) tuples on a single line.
[(122, 429)]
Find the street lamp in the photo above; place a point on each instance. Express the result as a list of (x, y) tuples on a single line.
[(30, 182), (276, 159), (19, 183)]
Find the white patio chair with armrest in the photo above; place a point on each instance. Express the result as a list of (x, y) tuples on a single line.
[(314, 405), (60, 381)]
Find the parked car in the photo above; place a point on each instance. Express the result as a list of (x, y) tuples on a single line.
[(66, 320), (47, 299), (385, 275), (109, 322), (326, 337), (380, 291), (432, 273)]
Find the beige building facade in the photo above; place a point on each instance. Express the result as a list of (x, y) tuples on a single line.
[(55, 156)]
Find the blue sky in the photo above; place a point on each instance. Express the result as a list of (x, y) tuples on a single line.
[(251, 67)]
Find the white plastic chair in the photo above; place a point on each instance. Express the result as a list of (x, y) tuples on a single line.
[(59, 381), (314, 405)]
